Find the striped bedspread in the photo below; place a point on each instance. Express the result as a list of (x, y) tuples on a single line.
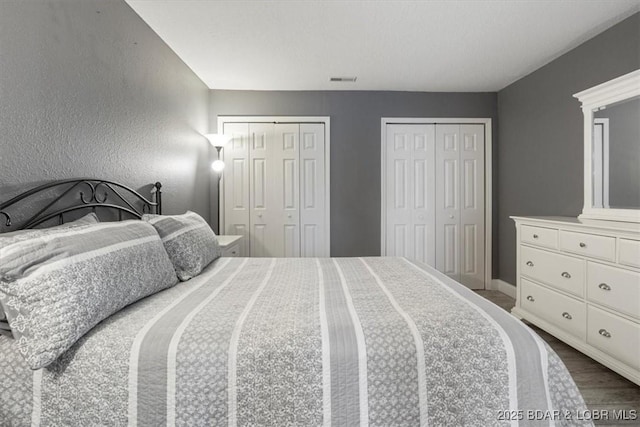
[(341, 341)]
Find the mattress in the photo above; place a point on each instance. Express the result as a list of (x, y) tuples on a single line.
[(336, 341)]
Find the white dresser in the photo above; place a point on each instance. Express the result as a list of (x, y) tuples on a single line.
[(580, 281)]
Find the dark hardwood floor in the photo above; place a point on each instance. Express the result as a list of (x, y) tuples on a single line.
[(601, 388)]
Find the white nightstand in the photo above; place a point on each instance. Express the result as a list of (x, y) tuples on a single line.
[(230, 245)]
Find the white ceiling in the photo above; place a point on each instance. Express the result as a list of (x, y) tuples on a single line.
[(430, 45)]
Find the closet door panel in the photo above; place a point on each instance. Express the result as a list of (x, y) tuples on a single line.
[(410, 186), (289, 196), (291, 241), (285, 183), (262, 198), (259, 187), (260, 240), (309, 245), (472, 206), (235, 182), (448, 200), (399, 216), (424, 194), (312, 190), (450, 254)]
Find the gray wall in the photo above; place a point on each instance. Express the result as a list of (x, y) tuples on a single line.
[(88, 89), (540, 152), (355, 144)]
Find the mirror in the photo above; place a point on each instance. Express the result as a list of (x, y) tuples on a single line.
[(616, 155), (612, 149)]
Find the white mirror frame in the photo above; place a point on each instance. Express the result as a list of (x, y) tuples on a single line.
[(618, 89)]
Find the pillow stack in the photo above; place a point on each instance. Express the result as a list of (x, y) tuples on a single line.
[(56, 284)]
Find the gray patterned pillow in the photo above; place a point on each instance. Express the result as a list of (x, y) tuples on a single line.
[(189, 241), (56, 286), (90, 218)]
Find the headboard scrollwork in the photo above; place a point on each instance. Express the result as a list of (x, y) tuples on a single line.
[(71, 195)]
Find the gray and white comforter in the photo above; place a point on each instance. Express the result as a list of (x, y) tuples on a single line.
[(255, 341)]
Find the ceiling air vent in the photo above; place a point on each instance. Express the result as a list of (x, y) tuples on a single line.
[(342, 79)]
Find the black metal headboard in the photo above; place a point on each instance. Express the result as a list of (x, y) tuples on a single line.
[(70, 195)]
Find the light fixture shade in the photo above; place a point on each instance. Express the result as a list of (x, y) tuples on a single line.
[(217, 139), (217, 165)]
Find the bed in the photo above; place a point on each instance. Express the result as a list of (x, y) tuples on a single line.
[(259, 341)]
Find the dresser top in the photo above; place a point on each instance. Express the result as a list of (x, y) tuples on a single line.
[(560, 221), (225, 240)]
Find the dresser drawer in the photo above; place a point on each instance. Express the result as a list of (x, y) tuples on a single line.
[(560, 271), (547, 237), (613, 335), (591, 245), (629, 252), (562, 311), (231, 251), (614, 287)]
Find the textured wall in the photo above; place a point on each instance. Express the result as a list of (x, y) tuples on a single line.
[(355, 144), (88, 89), (540, 132)]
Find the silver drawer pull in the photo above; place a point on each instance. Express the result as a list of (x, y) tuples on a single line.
[(535, 236), (604, 333), (567, 315), (604, 287), (566, 275), (530, 298), (529, 263), (583, 245)]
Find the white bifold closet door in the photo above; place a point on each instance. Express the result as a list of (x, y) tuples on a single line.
[(460, 203), (236, 184), (411, 192), (434, 200), (274, 188)]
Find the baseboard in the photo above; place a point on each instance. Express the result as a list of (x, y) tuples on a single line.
[(504, 287)]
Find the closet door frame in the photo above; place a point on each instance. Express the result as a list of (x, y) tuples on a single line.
[(327, 157), (487, 181)]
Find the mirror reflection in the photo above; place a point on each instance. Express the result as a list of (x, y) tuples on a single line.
[(616, 155)]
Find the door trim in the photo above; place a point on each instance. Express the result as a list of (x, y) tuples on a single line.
[(487, 179), (327, 157)]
